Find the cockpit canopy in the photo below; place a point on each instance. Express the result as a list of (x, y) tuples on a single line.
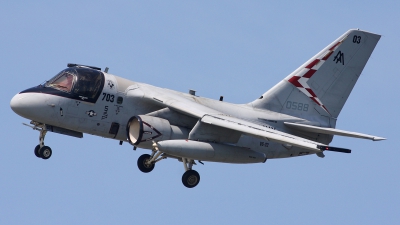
[(80, 82)]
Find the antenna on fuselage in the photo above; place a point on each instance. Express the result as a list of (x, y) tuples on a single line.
[(192, 92), (79, 65)]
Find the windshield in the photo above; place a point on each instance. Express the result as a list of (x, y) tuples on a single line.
[(63, 81), (84, 83)]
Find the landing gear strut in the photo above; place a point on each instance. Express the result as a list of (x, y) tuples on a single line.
[(190, 178), (41, 151)]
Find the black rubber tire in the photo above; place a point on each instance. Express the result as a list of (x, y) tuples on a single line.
[(191, 178), (36, 151), (45, 152), (142, 163)]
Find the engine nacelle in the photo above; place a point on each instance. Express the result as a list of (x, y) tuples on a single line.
[(210, 151), (142, 130)]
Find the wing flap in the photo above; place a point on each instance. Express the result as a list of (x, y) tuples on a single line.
[(261, 132), (332, 131)]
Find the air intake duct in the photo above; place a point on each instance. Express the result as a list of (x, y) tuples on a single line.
[(142, 130)]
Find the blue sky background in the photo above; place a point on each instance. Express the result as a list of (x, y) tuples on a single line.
[(238, 49)]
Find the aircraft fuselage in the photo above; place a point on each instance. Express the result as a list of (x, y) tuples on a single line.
[(107, 115)]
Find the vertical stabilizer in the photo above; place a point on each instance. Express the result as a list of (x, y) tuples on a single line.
[(321, 86)]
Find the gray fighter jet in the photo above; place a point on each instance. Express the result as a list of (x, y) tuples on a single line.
[(296, 117)]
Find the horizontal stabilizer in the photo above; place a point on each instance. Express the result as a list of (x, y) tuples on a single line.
[(334, 149), (332, 131)]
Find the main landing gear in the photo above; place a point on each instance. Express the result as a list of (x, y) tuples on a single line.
[(190, 178), (146, 163), (41, 151)]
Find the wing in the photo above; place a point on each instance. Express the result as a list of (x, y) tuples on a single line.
[(175, 101), (269, 134), (206, 115)]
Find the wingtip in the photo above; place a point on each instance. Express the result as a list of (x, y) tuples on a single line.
[(379, 139)]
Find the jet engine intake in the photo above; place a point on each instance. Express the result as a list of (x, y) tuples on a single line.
[(142, 130), (210, 151)]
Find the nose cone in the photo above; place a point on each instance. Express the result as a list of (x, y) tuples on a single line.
[(28, 105), (18, 104)]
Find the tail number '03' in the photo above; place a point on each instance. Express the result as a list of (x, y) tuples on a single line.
[(297, 106), (108, 97), (356, 39)]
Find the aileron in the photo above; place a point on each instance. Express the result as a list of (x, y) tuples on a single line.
[(332, 131)]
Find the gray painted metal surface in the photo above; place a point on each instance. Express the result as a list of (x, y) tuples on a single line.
[(296, 117)]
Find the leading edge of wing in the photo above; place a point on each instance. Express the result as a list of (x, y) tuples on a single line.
[(262, 132), (176, 101)]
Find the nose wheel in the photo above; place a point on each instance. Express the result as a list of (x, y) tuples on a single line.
[(41, 151), (36, 151)]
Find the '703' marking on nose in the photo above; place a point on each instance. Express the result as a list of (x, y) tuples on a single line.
[(108, 97)]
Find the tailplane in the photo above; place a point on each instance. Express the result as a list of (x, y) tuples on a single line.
[(321, 86)]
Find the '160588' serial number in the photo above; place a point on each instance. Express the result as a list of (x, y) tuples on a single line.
[(297, 106)]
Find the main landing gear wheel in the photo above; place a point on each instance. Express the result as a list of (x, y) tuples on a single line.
[(45, 152), (143, 164), (190, 178)]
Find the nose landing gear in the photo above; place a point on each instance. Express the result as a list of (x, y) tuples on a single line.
[(41, 151)]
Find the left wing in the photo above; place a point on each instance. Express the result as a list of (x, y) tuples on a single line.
[(176, 101)]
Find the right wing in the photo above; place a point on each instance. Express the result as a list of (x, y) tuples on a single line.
[(206, 115), (269, 134), (332, 131)]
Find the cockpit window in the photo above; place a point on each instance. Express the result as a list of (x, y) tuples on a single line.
[(89, 83), (82, 83), (63, 82)]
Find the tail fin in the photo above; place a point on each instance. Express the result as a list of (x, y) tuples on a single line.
[(321, 86)]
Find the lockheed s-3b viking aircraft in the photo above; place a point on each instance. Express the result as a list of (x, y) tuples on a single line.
[(296, 117)]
